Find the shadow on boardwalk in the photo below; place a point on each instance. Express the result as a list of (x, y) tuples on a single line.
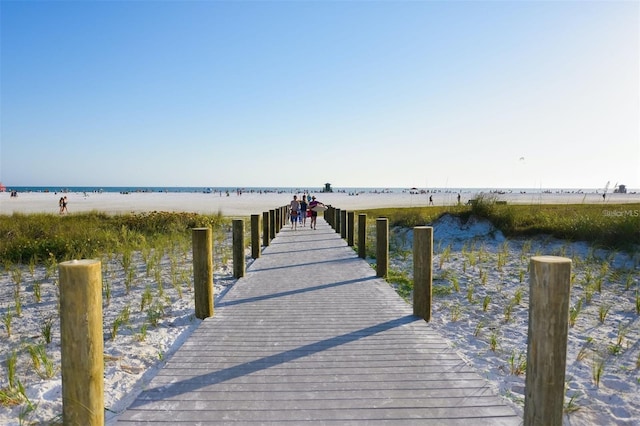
[(311, 336)]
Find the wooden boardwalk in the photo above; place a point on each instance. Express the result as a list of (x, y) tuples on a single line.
[(311, 336)]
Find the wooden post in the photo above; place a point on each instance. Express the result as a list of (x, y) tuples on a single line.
[(272, 224), (337, 219), (422, 271), (362, 235), (255, 236), (328, 215), (278, 219), (549, 291), (382, 246), (202, 246), (283, 216), (238, 248), (265, 229), (81, 342), (343, 224), (350, 226)]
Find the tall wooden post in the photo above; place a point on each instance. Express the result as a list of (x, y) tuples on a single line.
[(272, 224), (202, 247), (382, 246), (343, 224), (422, 271), (350, 228), (81, 342), (255, 236), (238, 248), (549, 295), (278, 219), (337, 219), (265, 229), (362, 235)]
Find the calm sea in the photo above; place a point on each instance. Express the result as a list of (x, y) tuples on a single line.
[(198, 189)]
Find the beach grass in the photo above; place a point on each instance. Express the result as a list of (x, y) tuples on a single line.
[(36, 238), (611, 226)]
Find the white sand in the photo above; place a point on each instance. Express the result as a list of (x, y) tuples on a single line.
[(254, 203), (130, 361)]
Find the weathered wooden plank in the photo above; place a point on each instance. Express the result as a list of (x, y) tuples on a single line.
[(317, 404), (366, 394), (319, 415)]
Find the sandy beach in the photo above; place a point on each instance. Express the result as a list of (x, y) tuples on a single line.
[(471, 255), (255, 203)]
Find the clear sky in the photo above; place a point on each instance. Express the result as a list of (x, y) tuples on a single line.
[(360, 94)]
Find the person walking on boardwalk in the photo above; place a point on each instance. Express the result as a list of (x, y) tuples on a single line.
[(294, 210), (303, 211), (314, 214)]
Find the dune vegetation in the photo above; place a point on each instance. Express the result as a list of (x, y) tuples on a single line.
[(612, 226)]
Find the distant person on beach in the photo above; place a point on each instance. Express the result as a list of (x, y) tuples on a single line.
[(458, 198), (64, 205), (430, 200), (314, 214), (60, 203), (294, 210)]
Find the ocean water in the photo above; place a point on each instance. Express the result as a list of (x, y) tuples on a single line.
[(292, 190)]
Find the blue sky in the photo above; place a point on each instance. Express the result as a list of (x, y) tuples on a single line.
[(360, 93)]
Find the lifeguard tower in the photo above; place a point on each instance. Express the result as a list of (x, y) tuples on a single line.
[(327, 188), (621, 189)]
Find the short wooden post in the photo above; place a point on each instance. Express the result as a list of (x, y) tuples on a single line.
[(337, 219), (272, 224), (549, 294), (343, 224), (238, 248), (255, 236), (350, 226), (202, 246), (281, 219), (328, 215), (362, 235), (332, 217), (283, 216), (81, 342), (265, 229), (382, 246), (422, 271)]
